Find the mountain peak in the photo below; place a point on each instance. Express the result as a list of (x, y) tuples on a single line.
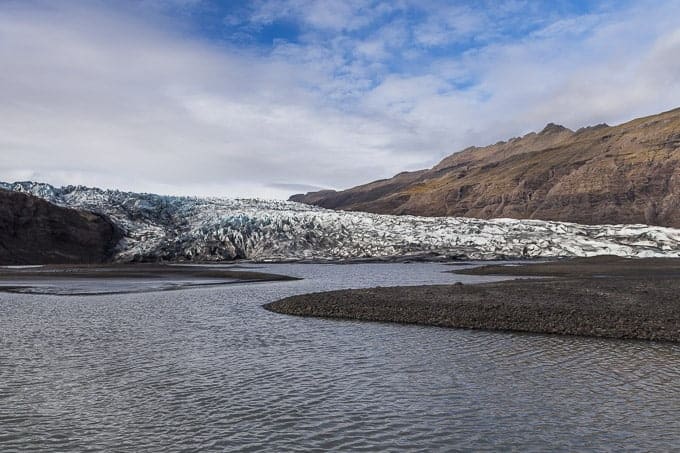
[(601, 175), (552, 128)]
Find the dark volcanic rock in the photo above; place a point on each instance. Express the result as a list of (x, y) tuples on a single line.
[(33, 231), (624, 174)]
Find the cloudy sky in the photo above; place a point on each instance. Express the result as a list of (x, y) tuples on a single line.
[(268, 98)]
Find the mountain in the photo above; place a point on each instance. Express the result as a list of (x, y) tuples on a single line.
[(596, 175), (164, 228), (33, 231)]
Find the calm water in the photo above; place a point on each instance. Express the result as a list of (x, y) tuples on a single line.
[(209, 369)]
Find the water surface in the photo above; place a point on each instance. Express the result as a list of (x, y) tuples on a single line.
[(209, 369)]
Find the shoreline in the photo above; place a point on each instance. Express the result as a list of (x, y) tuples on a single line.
[(605, 297), (88, 280)]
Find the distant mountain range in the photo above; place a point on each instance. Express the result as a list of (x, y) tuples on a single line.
[(40, 224), (596, 175), (628, 174)]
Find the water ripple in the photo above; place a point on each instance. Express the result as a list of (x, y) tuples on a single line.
[(209, 370)]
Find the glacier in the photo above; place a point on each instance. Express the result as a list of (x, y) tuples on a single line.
[(173, 228)]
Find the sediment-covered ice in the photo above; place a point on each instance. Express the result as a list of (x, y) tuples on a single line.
[(214, 229)]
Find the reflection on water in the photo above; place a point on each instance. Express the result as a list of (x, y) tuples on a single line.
[(209, 369)]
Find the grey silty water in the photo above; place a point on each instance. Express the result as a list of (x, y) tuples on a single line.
[(209, 369)]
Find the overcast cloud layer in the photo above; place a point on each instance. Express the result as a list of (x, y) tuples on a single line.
[(270, 98)]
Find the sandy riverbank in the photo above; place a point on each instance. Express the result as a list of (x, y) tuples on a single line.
[(602, 297)]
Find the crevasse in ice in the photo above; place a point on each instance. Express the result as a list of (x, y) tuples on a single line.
[(214, 229)]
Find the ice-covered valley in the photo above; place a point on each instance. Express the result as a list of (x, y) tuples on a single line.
[(216, 229)]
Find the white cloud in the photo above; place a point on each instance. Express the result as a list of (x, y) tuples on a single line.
[(94, 99), (451, 25), (91, 95), (334, 15)]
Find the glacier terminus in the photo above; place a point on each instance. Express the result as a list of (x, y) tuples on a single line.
[(174, 228)]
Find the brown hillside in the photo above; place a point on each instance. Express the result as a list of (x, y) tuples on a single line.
[(624, 174)]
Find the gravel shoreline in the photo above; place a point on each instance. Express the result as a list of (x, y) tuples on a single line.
[(599, 297)]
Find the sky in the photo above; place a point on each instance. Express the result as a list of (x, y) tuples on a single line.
[(267, 98)]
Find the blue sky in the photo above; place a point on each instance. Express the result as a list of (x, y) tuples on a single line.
[(385, 38), (266, 98)]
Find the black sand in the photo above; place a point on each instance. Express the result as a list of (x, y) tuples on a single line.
[(23, 279), (601, 297), (598, 267)]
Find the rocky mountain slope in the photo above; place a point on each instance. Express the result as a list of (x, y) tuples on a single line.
[(162, 228), (33, 231), (624, 174)]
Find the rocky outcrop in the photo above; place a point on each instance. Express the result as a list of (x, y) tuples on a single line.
[(597, 175), (33, 231)]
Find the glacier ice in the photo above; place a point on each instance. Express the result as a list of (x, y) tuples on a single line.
[(215, 229)]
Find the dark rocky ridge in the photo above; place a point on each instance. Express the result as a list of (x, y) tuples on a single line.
[(33, 231), (597, 175)]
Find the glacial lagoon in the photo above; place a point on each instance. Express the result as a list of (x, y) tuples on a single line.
[(208, 369)]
